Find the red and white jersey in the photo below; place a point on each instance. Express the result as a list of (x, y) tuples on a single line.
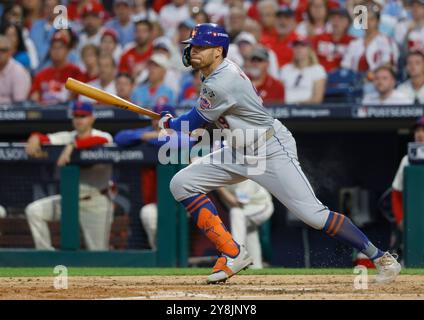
[(97, 137), (380, 50), (413, 38), (95, 176), (416, 39), (330, 52)]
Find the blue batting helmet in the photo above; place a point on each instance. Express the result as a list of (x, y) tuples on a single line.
[(205, 35)]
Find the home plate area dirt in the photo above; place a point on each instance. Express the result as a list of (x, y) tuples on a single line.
[(194, 287)]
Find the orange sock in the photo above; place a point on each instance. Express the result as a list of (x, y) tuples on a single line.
[(215, 230), (206, 216)]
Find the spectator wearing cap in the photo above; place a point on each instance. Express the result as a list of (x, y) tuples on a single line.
[(122, 22), (269, 89), (15, 81), (109, 44), (241, 50), (155, 91), (76, 8), (330, 47), (90, 62), (397, 185), (304, 78), (42, 30), (414, 86), (172, 14), (106, 79), (92, 16), (144, 11), (183, 33), (286, 25), (386, 92), (48, 86), (19, 47), (317, 19), (95, 206), (373, 50), (134, 59), (73, 54), (411, 32), (124, 85)]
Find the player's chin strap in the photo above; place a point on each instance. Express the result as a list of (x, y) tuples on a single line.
[(186, 56)]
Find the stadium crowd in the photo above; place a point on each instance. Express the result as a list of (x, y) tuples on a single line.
[(295, 52)]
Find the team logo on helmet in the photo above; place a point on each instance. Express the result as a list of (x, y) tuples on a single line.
[(193, 33)]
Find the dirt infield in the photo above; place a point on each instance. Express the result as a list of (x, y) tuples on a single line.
[(194, 287)]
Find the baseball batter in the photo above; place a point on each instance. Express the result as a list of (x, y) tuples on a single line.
[(229, 100)]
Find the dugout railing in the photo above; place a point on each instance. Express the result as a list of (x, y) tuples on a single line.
[(172, 237)]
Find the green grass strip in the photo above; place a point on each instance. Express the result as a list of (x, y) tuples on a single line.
[(77, 271)]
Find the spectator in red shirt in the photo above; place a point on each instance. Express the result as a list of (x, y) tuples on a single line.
[(134, 59), (268, 19), (286, 25), (269, 89), (331, 47), (48, 85)]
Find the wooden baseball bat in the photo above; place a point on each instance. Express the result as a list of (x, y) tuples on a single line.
[(107, 98)]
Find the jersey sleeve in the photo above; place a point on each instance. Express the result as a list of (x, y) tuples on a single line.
[(213, 102), (61, 138)]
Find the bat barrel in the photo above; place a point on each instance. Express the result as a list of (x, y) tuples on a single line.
[(107, 98)]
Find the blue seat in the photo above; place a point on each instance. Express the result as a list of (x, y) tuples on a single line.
[(343, 85)]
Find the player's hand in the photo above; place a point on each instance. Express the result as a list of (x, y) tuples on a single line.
[(164, 120), (65, 156), (33, 147)]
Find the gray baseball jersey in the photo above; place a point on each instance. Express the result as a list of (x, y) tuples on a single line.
[(229, 99)]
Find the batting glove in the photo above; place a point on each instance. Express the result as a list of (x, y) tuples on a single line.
[(165, 116)]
